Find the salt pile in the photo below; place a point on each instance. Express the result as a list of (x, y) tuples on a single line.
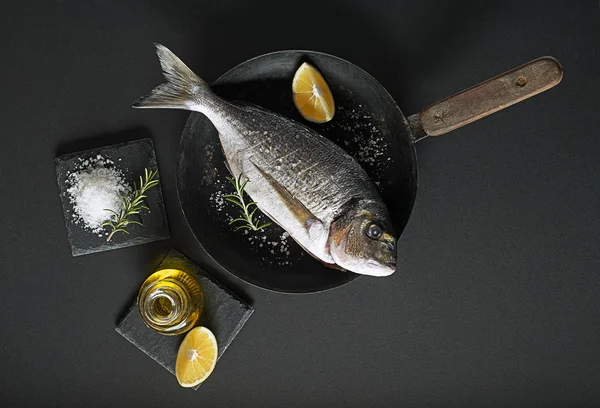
[(93, 187)]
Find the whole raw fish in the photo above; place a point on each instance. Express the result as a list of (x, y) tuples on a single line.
[(304, 182)]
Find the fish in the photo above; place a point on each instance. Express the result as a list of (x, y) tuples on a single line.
[(301, 180)]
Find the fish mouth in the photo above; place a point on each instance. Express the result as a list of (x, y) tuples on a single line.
[(378, 269)]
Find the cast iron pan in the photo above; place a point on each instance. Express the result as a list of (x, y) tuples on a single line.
[(367, 123)]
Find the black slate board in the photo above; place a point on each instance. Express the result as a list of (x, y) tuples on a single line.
[(225, 313), (131, 158)]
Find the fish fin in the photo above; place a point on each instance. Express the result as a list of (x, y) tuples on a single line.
[(324, 263), (182, 88), (227, 167), (299, 210), (331, 265), (225, 161)]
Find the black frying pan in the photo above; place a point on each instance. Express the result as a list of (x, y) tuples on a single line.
[(367, 123)]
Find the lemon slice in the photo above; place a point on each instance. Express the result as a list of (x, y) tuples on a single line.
[(196, 358), (312, 96)]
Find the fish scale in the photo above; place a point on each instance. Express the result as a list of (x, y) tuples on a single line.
[(311, 164)]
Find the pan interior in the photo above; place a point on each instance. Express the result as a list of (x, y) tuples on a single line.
[(367, 124)]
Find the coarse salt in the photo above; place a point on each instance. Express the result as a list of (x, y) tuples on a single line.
[(94, 187)]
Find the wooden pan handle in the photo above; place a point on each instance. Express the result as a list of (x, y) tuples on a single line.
[(491, 96)]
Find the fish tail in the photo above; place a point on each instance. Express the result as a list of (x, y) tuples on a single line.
[(183, 89)]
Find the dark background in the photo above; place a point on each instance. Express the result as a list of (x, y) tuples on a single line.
[(496, 301)]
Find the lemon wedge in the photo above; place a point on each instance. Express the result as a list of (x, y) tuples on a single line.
[(197, 357), (312, 95)]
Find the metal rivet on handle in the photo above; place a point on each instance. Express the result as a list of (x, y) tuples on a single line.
[(521, 80)]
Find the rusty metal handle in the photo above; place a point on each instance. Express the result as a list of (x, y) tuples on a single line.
[(490, 96)]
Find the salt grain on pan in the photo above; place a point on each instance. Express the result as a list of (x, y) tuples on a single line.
[(218, 199), (94, 187), (363, 140)]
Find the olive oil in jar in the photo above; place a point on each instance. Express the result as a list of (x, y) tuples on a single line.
[(170, 301)]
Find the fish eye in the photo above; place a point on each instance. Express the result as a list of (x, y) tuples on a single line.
[(373, 231)]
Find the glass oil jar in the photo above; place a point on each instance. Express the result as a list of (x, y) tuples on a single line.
[(170, 301)]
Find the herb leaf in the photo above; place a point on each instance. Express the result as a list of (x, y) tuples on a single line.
[(132, 205), (247, 210)]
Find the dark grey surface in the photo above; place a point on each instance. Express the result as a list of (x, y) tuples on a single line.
[(131, 158), (496, 302), (224, 313)]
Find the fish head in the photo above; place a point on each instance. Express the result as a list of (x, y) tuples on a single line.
[(362, 240)]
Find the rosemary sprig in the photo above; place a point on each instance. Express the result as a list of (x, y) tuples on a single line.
[(246, 218), (132, 205)]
